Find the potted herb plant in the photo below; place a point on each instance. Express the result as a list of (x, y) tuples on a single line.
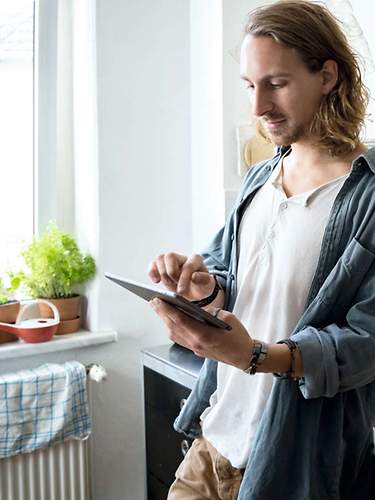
[(9, 306), (55, 267)]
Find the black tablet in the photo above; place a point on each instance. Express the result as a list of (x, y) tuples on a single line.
[(148, 293)]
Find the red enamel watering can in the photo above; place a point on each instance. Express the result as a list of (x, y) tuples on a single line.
[(33, 330)]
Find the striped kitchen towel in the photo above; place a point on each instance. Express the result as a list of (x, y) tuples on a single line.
[(42, 406)]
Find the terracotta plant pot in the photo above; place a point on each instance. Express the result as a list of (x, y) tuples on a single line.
[(8, 314), (70, 313)]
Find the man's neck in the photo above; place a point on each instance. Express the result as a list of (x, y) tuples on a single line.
[(305, 158), (306, 167)]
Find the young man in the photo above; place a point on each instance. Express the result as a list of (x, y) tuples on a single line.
[(294, 263)]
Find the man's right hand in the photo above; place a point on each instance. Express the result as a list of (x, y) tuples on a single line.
[(188, 276)]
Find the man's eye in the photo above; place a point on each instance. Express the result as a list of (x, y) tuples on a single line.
[(249, 86), (276, 85)]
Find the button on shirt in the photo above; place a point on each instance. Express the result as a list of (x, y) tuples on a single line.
[(279, 246)]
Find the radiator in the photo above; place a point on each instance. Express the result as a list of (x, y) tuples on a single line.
[(60, 472)]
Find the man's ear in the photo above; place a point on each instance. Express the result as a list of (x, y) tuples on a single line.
[(329, 74)]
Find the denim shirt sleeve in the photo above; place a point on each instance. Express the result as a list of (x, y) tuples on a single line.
[(188, 420), (217, 256), (340, 356)]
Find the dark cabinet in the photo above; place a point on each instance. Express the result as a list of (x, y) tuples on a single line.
[(163, 397), (165, 447)]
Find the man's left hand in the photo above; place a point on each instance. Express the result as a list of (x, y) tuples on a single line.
[(232, 347)]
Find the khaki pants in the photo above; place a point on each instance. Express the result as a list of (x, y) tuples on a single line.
[(205, 474)]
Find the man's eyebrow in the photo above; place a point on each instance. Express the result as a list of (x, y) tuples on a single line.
[(268, 77)]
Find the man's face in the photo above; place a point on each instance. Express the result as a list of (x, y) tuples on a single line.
[(284, 94)]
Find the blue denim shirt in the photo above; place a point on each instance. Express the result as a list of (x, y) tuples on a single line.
[(314, 440)]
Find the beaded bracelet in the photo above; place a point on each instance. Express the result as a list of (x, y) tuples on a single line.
[(210, 298)]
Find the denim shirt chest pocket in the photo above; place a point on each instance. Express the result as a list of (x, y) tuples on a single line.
[(344, 280)]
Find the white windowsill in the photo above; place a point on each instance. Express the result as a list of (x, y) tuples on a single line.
[(76, 340)]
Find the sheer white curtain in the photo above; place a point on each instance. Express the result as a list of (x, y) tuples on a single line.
[(66, 129)]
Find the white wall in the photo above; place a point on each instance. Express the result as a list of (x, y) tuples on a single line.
[(144, 205)]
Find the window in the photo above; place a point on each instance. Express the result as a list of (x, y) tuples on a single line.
[(16, 127)]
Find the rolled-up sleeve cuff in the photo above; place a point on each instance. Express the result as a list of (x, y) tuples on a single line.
[(320, 368)]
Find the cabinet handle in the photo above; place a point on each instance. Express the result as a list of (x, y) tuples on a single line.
[(184, 447), (182, 403)]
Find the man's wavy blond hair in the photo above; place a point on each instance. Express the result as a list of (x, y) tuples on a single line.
[(317, 37)]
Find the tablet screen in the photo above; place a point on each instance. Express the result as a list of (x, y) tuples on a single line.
[(149, 292)]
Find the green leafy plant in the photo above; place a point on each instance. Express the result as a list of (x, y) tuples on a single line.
[(7, 292), (55, 265)]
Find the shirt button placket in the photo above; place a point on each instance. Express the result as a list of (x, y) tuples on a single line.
[(283, 205)]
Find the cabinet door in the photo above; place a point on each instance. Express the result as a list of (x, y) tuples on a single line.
[(165, 448), (156, 490)]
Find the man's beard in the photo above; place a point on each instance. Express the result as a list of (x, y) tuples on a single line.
[(280, 137)]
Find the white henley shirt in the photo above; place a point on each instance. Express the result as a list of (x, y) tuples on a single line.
[(279, 246)]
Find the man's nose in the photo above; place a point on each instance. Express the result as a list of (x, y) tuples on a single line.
[(261, 103)]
